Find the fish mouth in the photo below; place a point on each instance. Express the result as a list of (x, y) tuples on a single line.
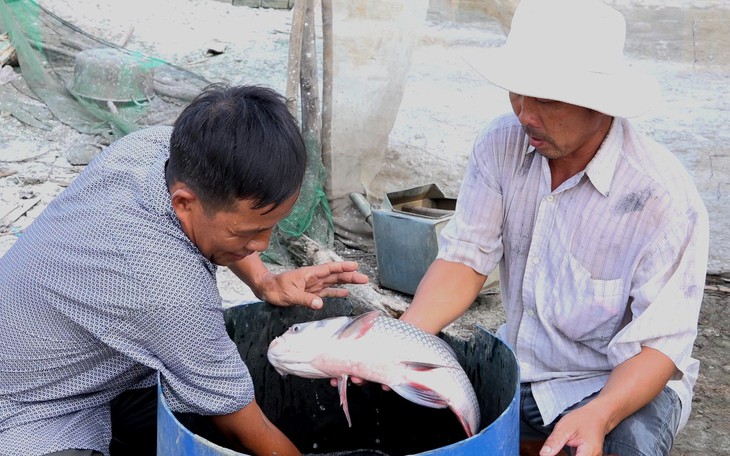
[(285, 364), (292, 365)]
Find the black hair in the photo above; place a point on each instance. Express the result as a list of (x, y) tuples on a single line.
[(234, 143)]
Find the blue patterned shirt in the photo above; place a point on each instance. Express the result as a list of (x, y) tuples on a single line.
[(100, 293)]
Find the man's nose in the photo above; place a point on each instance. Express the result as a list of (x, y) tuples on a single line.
[(260, 242), (525, 109)]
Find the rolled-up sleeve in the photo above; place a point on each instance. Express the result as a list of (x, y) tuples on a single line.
[(474, 235)]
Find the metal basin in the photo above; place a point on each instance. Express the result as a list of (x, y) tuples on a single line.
[(112, 75)]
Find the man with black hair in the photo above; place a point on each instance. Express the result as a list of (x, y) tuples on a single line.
[(115, 283)]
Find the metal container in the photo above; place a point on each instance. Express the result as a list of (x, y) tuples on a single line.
[(405, 230), (108, 74), (383, 423)]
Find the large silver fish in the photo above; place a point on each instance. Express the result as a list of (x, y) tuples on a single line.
[(375, 347)]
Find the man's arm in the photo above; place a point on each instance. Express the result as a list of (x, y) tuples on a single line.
[(444, 294), (305, 286), (632, 384), (250, 430)]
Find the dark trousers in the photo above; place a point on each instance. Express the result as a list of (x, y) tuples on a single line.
[(134, 423), (134, 426)]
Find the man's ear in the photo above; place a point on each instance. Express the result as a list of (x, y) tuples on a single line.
[(183, 199)]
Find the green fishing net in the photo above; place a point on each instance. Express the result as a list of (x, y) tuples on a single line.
[(100, 88), (311, 215), (86, 82)]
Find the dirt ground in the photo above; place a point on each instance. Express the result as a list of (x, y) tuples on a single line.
[(429, 143)]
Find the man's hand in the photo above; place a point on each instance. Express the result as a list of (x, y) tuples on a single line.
[(306, 286), (632, 384), (249, 430), (583, 429)]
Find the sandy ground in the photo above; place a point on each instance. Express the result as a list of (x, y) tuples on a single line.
[(429, 143)]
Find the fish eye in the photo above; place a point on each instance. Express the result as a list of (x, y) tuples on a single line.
[(295, 328)]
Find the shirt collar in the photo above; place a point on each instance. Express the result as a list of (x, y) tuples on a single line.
[(156, 198), (601, 168), (156, 195)]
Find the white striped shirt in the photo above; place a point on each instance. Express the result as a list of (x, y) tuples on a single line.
[(612, 260)]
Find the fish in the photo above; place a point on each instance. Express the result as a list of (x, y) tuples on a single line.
[(376, 347)]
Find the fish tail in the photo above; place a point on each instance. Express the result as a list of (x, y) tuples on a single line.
[(464, 423)]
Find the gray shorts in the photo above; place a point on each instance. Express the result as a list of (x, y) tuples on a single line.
[(648, 432)]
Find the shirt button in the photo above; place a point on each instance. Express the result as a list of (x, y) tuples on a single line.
[(535, 260), (524, 366), (550, 197), (531, 313)]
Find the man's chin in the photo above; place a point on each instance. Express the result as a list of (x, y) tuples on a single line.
[(227, 260)]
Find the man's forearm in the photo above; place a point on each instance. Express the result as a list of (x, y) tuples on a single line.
[(633, 384), (251, 431), (445, 292)]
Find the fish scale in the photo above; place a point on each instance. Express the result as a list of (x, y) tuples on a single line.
[(375, 347)]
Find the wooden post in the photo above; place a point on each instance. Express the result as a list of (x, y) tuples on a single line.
[(327, 74), (295, 55), (311, 118)]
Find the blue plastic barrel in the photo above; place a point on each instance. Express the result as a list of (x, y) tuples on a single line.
[(174, 439), (383, 423)]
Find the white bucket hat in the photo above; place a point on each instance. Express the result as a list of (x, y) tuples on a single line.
[(570, 51)]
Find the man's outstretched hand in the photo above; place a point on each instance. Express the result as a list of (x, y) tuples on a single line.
[(306, 286)]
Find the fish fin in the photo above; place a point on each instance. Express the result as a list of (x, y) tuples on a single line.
[(342, 389), (420, 395), (358, 326), (421, 366)]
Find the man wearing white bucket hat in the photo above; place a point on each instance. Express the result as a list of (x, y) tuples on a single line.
[(599, 233)]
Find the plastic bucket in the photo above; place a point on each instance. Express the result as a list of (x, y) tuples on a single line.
[(308, 411)]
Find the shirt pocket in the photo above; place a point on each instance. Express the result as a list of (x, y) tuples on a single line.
[(585, 309)]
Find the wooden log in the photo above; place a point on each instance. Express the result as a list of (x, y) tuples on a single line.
[(181, 91), (48, 47), (307, 252), (76, 44), (18, 211)]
